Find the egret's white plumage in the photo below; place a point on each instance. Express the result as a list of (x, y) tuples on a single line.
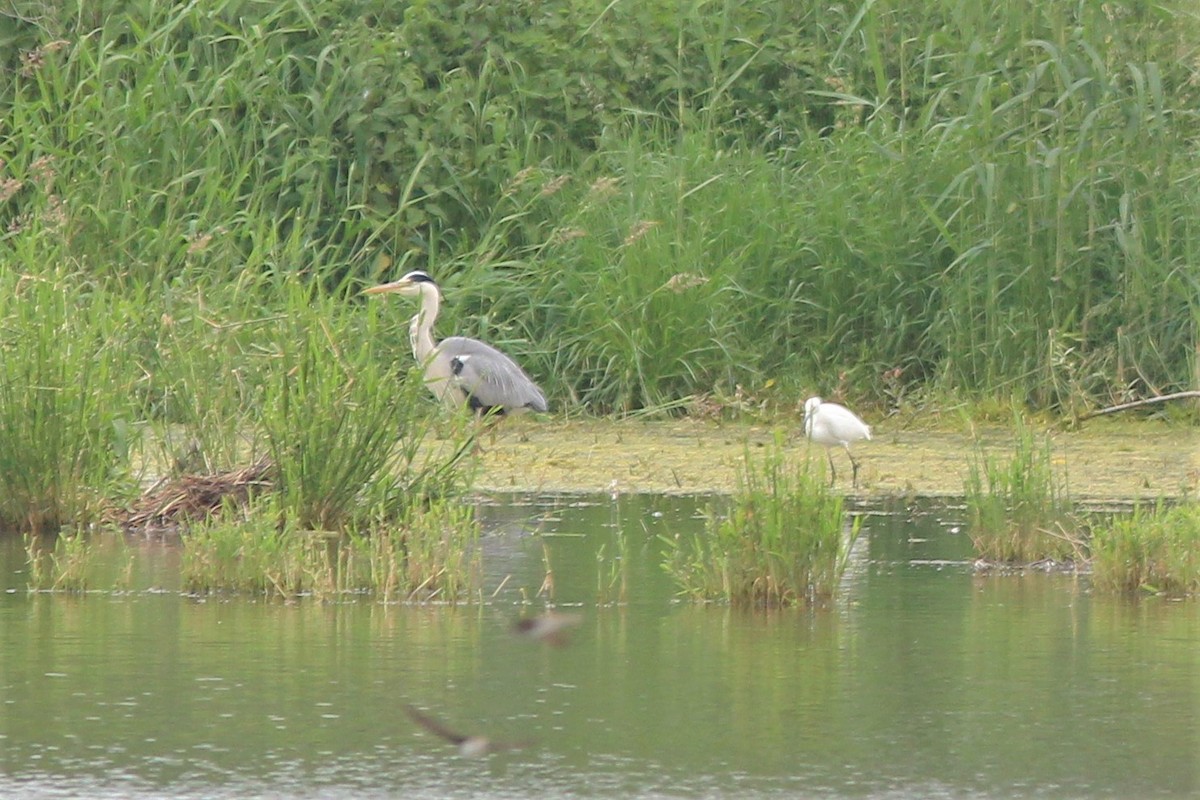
[(460, 370), (830, 424)]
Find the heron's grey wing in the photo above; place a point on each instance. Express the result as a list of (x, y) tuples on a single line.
[(489, 376)]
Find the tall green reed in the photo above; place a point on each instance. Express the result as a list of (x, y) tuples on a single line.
[(66, 416), (192, 138), (1067, 188), (1155, 549), (993, 200), (346, 430), (984, 229), (783, 541), (649, 280), (203, 373), (1019, 508), (425, 553)]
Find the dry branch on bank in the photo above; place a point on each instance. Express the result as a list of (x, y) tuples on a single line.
[(1148, 401)]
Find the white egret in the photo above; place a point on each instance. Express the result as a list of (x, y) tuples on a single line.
[(830, 424)]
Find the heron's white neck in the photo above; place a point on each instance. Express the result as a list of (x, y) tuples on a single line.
[(420, 330)]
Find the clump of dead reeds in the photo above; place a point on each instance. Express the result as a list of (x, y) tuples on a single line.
[(175, 502)]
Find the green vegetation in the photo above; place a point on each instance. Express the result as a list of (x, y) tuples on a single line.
[(1019, 509), (77, 562), (648, 204), (66, 418), (783, 541), (1153, 550), (677, 200), (345, 429), (612, 566), (427, 555)]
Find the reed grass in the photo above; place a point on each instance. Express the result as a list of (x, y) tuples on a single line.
[(975, 230), (66, 419), (660, 301), (203, 373), (612, 564), (77, 561), (1019, 508), (1155, 549), (70, 562), (360, 497), (647, 205), (250, 556), (428, 554), (345, 429), (783, 541), (194, 163)]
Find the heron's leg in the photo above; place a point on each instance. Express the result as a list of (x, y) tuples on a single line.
[(832, 470), (486, 420), (854, 464)]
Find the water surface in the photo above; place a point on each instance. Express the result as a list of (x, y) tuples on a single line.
[(922, 680)]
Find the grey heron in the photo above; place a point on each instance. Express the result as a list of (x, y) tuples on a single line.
[(830, 424), (461, 370)]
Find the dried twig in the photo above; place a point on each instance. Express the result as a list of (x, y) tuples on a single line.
[(1162, 398)]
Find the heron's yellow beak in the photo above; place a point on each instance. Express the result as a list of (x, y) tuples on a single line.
[(388, 288)]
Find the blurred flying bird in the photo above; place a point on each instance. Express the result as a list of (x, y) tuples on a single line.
[(552, 627), (468, 746)]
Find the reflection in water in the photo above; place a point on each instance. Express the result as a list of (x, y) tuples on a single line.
[(922, 680)]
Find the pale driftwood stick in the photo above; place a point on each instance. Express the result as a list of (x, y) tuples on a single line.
[(1162, 398)]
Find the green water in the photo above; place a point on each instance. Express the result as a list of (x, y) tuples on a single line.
[(923, 680)]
